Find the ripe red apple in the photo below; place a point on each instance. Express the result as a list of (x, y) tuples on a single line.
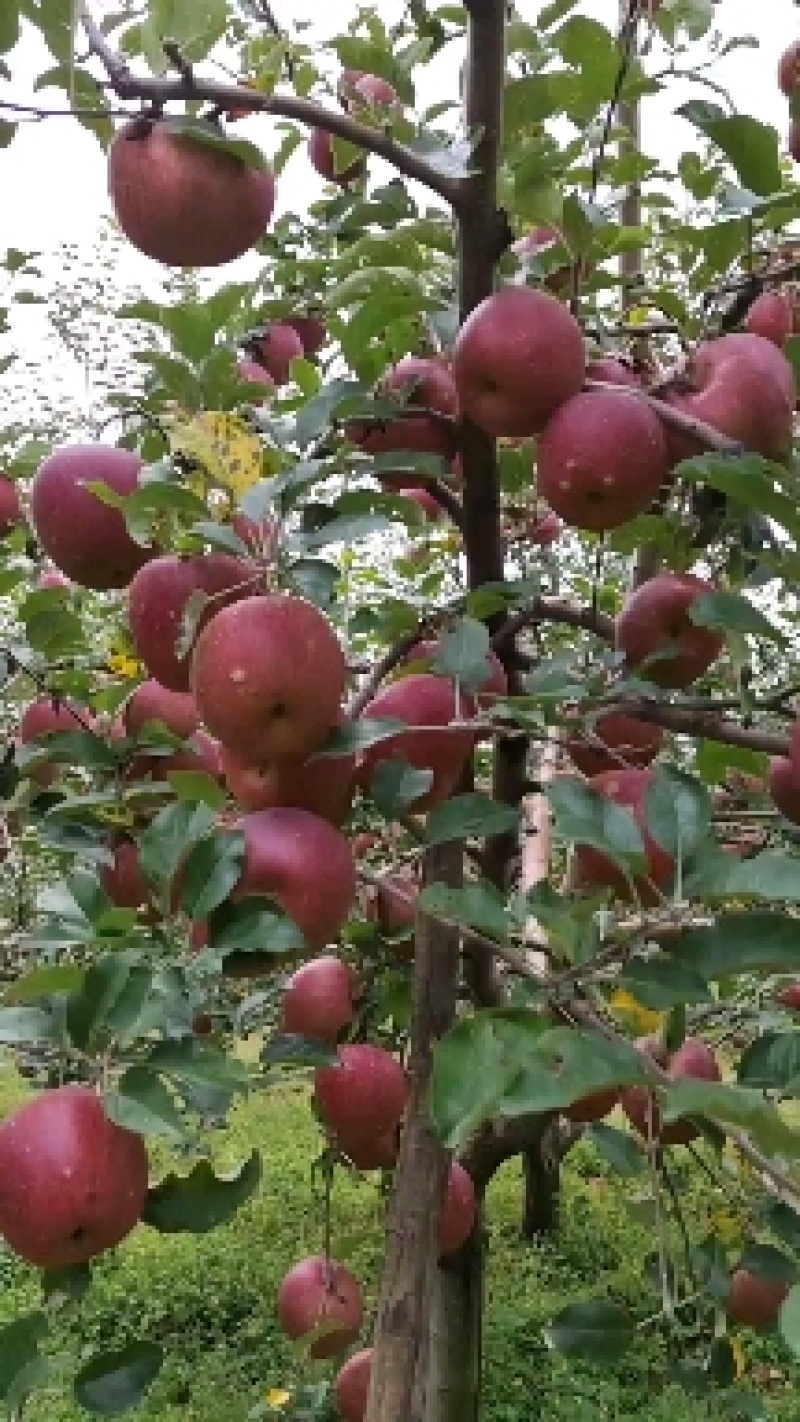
[(153, 703), (351, 1387), (421, 700), (611, 370), (693, 1059), (459, 1210), (743, 386), (370, 88), (320, 1298), (392, 904), (367, 1152), (253, 371), (593, 869), (325, 787), (754, 1301), (655, 619), (364, 1095), (72, 1183), (635, 743), (793, 140), (85, 538), (318, 999), (123, 880), (159, 180), (784, 787), (43, 716), (157, 600), (276, 350), (789, 997), (305, 865), (10, 506), (516, 359), (593, 1107), (268, 676), (789, 69), (430, 506), (312, 332), (426, 384), (772, 316), (320, 149), (601, 459)]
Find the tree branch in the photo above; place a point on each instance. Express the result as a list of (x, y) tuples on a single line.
[(159, 92)]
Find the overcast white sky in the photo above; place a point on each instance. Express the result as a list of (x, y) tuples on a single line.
[(53, 174)]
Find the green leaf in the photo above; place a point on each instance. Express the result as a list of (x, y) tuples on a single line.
[(477, 905), (169, 837), (105, 988), (357, 736), (661, 983), (727, 611), (198, 1064), (781, 1220), (735, 1106), (620, 1149), (9, 25), (43, 982), (740, 943), (472, 816), (767, 1262), (288, 1049), (196, 28), (595, 1329), (462, 653), (789, 1320), (752, 147), (677, 811), (252, 926), (396, 785), (211, 870), (566, 1065), (201, 1200), (141, 1102), (198, 787), (19, 1347), (112, 1383), (771, 1062), (584, 816), (473, 1066), (25, 1024)]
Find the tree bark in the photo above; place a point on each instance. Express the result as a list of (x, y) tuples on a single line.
[(541, 1165)]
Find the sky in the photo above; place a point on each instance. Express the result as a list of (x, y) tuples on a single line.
[(52, 177)]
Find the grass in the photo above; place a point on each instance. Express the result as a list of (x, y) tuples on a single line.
[(208, 1299)]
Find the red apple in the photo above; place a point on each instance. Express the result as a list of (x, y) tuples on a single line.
[(253, 371), (601, 459), (10, 506), (72, 1182), (85, 538), (655, 618), (320, 148), (516, 359), (312, 332), (784, 787), (789, 69), (427, 701), (611, 371), (318, 999), (351, 1387), (319, 1298), (157, 600), (793, 140), (693, 1059), (424, 500), (789, 997), (459, 1210), (152, 703), (268, 676), (593, 869), (635, 743), (364, 1095), (772, 316), (743, 386), (369, 88), (393, 903), (753, 1301), (43, 716), (425, 384), (325, 787), (123, 880), (276, 350), (160, 179), (305, 865)]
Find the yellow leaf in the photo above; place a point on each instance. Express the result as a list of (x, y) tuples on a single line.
[(633, 1013), (230, 455), (637, 316), (739, 1358), (124, 665), (278, 1398), (727, 1226)]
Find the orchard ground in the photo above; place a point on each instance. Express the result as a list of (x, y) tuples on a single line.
[(209, 1298)]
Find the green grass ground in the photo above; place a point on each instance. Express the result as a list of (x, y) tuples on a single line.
[(209, 1299)]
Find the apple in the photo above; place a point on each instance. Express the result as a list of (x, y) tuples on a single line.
[(160, 180), (784, 787), (693, 1059), (369, 88), (157, 600), (425, 384), (325, 787), (593, 1107), (304, 864), (72, 1182), (123, 880), (312, 332), (351, 1386), (43, 717), (789, 997), (612, 371), (789, 69), (459, 1210), (152, 703), (494, 684), (793, 140), (318, 999), (601, 459), (427, 701), (743, 386), (260, 536), (364, 1095), (772, 316), (538, 241), (754, 1301), (85, 538), (392, 904), (635, 743), (10, 506), (655, 618), (320, 149), (424, 500), (276, 349), (367, 1152), (517, 357), (319, 1297), (268, 676), (253, 371), (594, 870)]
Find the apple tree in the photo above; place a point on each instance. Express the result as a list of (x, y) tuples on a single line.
[(404, 666)]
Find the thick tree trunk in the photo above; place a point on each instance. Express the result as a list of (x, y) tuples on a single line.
[(452, 1385)]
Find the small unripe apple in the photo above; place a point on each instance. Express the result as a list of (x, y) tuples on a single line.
[(321, 1298)]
